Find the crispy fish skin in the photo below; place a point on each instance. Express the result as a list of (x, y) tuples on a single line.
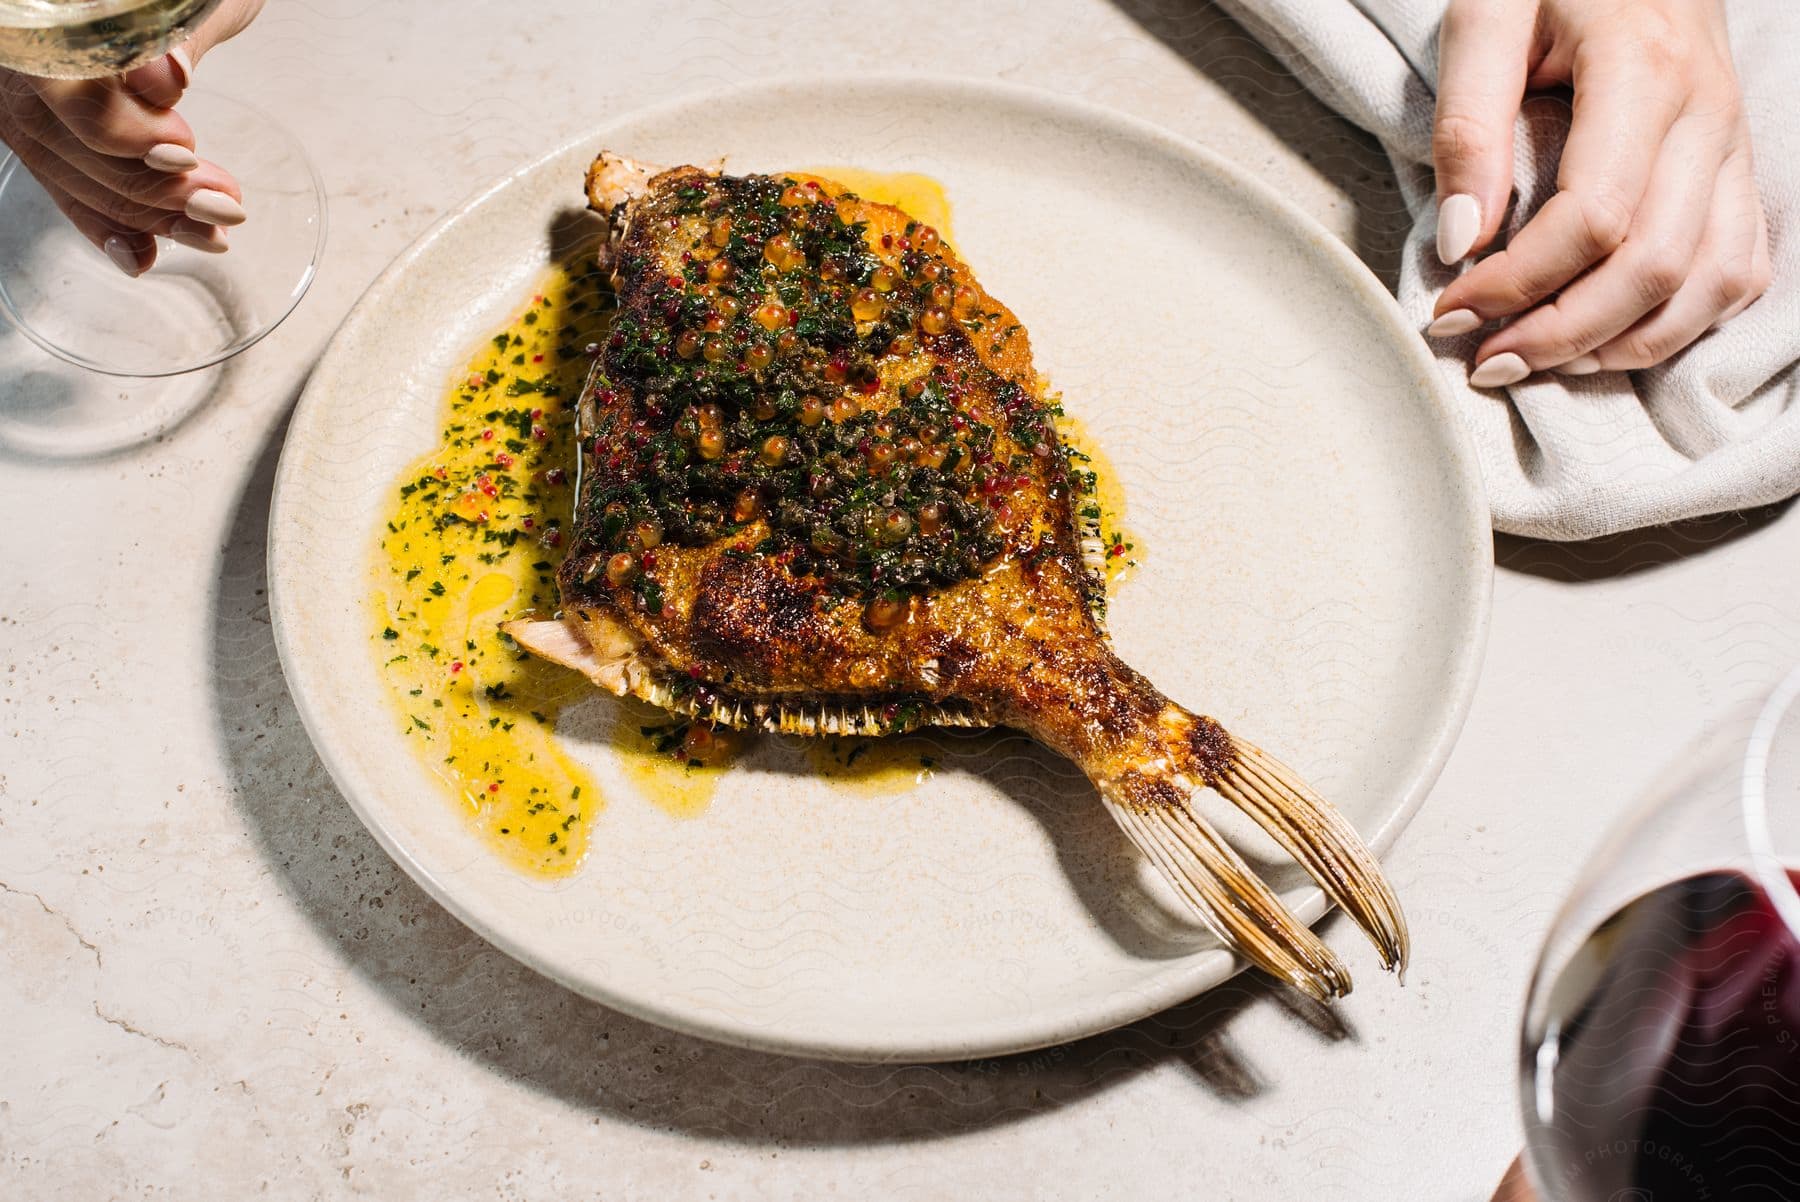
[(998, 624)]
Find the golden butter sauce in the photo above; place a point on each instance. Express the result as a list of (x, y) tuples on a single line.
[(474, 532), (1102, 500), (921, 196)]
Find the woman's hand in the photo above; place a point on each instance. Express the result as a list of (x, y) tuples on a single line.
[(1515, 1186), (118, 160), (1655, 233)]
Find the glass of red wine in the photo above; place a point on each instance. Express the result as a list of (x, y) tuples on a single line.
[(1661, 1050)]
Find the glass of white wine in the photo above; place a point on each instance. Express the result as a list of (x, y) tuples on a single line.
[(86, 39), (191, 309)]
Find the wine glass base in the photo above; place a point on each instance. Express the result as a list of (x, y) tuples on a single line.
[(191, 309)]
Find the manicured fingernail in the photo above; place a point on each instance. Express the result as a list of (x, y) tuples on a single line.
[(1453, 323), (124, 255), (171, 157), (184, 67), (1503, 369), (1459, 222), (199, 236), (214, 207), (1581, 365)]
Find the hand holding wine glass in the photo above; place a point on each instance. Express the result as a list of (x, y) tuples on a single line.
[(123, 179), (108, 146)]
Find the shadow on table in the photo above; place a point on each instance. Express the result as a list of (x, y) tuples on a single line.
[(483, 1005), (55, 412), (1215, 45), (1634, 551)]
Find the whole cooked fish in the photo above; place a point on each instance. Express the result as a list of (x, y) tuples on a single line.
[(821, 491)]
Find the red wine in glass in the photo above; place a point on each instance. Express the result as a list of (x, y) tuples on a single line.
[(1669, 1065)]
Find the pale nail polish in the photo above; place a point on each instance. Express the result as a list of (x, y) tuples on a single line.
[(171, 157), (1453, 323), (199, 236), (1499, 371), (1459, 223), (214, 208), (184, 67), (1581, 365), (123, 255)]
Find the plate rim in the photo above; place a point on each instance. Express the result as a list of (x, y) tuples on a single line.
[(1179, 980)]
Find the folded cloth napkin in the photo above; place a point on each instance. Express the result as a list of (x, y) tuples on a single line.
[(1715, 428)]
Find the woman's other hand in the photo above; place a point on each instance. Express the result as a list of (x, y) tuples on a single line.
[(1655, 233)]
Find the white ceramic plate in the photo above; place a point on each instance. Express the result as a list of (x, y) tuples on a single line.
[(1316, 573)]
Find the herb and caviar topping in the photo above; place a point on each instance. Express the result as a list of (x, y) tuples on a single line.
[(785, 374)]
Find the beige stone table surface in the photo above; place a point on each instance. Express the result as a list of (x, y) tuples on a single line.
[(213, 983)]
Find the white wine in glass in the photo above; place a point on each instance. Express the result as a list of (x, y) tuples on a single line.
[(87, 39), (190, 310)]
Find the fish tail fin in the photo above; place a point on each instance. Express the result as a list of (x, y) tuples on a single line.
[(1155, 812), (1152, 789), (1322, 841)]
